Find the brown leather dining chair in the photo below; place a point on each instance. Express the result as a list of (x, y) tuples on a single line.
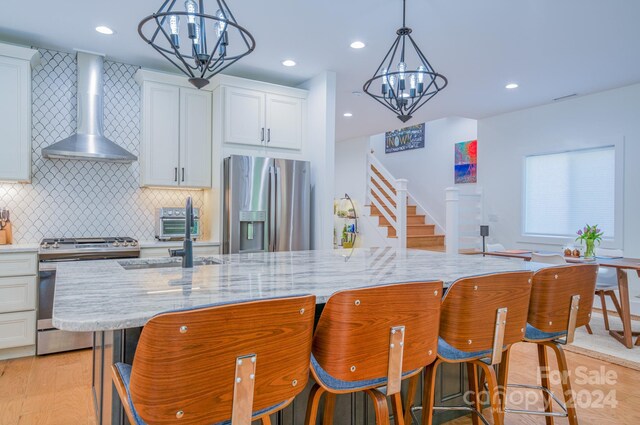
[(481, 318), (561, 301), (370, 339), (229, 363)]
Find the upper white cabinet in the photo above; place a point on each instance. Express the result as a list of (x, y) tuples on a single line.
[(176, 134), (269, 116), (15, 112)]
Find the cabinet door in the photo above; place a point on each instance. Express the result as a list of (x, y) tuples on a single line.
[(161, 135), (244, 116), (15, 119), (195, 138), (284, 122)]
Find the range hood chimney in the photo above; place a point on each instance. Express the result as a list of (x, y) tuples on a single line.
[(89, 143)]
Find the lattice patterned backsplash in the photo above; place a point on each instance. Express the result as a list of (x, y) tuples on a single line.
[(80, 198)]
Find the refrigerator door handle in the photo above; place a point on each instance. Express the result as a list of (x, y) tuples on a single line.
[(278, 207), (272, 209)]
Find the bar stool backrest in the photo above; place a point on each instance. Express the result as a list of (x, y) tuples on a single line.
[(185, 363), (352, 339), (471, 306), (553, 289)]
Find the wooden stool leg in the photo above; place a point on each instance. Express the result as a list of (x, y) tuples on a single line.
[(566, 382), (605, 314), (494, 395), (428, 392), (472, 376), (396, 403), (503, 378), (266, 420), (411, 394), (589, 329), (380, 406), (314, 402), (329, 409), (543, 361)]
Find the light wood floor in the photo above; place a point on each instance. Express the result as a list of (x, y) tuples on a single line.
[(55, 389)]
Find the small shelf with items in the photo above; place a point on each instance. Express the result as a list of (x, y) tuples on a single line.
[(345, 232)]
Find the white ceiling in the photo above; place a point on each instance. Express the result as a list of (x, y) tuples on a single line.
[(551, 48)]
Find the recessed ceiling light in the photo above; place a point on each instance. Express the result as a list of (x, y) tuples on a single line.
[(348, 114), (289, 62), (356, 93), (104, 30), (357, 45), (511, 86)]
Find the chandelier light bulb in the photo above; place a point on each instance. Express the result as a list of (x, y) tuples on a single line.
[(402, 67), (174, 29), (421, 72), (191, 7), (385, 82), (392, 84), (412, 84), (221, 27)]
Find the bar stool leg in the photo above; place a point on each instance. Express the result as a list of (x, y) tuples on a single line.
[(411, 394), (428, 393), (589, 329), (396, 404), (543, 361), (266, 420), (472, 376), (314, 402), (380, 406), (494, 395), (503, 377), (566, 382)]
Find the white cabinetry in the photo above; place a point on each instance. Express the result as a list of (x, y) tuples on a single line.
[(18, 303), (176, 135), (15, 112), (269, 116)]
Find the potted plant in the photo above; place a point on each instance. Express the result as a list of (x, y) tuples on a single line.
[(590, 235)]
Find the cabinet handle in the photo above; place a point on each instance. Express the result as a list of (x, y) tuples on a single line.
[(175, 174), (183, 174), (262, 135), (268, 135)]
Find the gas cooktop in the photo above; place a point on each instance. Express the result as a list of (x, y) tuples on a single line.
[(61, 249)]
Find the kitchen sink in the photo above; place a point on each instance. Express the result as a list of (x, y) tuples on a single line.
[(155, 264)]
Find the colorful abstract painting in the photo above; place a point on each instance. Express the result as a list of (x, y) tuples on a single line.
[(404, 139), (466, 162)]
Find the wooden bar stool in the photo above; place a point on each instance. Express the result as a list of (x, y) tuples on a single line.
[(369, 339), (481, 318), (561, 301), (228, 364)]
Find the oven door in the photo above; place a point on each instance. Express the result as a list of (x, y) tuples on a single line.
[(50, 339)]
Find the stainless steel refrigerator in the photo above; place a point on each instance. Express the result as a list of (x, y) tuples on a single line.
[(266, 205)]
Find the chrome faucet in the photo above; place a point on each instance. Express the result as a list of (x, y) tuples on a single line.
[(187, 247)]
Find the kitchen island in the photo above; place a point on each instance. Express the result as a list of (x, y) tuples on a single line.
[(116, 298)]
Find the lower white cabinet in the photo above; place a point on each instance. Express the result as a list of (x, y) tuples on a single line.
[(17, 329), (17, 293)]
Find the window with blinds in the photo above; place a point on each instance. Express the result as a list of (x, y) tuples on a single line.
[(564, 191)]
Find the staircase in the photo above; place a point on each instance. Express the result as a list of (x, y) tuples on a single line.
[(383, 196)]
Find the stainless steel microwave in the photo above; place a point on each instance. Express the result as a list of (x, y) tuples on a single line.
[(171, 222)]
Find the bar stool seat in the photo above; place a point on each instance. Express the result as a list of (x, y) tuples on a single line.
[(220, 364), (534, 334), (449, 353)]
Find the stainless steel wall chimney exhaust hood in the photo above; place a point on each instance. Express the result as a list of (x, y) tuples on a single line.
[(89, 143)]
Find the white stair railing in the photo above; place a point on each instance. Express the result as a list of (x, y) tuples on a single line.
[(390, 197)]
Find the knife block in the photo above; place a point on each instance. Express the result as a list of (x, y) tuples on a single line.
[(8, 233)]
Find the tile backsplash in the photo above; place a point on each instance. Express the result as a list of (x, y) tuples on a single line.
[(81, 198)]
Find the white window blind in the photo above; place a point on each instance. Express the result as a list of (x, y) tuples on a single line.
[(564, 191)]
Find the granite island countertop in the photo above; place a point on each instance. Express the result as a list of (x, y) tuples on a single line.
[(103, 295)]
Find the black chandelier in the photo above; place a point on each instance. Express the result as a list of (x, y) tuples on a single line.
[(404, 91), (192, 55)]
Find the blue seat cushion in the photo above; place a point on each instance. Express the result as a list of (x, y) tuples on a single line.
[(125, 373), (338, 384), (535, 334), (448, 352)]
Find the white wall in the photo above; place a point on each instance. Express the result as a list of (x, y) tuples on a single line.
[(321, 137), (589, 121), (430, 170)]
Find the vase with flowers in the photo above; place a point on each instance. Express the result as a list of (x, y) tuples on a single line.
[(590, 235)]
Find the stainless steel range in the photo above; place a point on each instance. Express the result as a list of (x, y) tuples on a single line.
[(55, 251)]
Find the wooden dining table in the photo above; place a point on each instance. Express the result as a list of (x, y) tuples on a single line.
[(622, 265)]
